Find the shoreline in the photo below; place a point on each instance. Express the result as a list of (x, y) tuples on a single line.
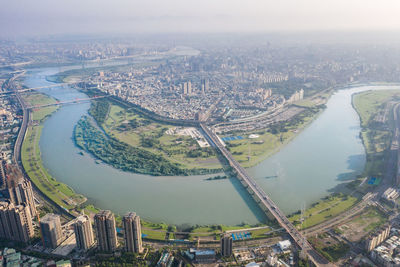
[(261, 157), (305, 126)]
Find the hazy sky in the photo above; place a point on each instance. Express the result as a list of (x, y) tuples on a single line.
[(41, 17)]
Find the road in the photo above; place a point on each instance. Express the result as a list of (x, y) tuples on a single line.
[(393, 163), (24, 124), (266, 202)]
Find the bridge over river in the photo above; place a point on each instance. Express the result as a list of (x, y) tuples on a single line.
[(265, 202)]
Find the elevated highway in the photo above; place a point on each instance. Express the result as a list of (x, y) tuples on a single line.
[(25, 119), (265, 202)]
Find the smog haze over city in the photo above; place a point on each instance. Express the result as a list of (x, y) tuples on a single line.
[(200, 133), (35, 18)]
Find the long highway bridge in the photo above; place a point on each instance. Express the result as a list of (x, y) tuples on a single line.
[(265, 202), (35, 88), (73, 101)]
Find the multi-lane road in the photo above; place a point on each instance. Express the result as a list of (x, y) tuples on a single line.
[(25, 119), (266, 202)]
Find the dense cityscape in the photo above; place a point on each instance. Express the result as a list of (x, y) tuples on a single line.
[(178, 134)]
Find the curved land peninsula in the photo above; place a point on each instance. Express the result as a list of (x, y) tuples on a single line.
[(130, 141)]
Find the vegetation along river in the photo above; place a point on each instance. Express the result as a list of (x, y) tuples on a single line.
[(326, 154)]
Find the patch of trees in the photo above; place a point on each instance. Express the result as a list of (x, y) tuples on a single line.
[(121, 155), (149, 141), (125, 157), (99, 110), (335, 252), (127, 259), (200, 152)]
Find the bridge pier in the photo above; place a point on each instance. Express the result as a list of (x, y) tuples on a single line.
[(270, 216)]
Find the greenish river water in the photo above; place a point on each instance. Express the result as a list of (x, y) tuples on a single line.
[(326, 154)]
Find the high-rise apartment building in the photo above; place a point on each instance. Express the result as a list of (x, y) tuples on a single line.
[(50, 226), (132, 232), (3, 179), (19, 189), (106, 233), (185, 88), (226, 245), (15, 222), (83, 232), (204, 85), (21, 193), (189, 87)]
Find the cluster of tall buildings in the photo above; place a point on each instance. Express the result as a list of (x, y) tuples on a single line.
[(17, 213), (226, 245), (22, 193), (106, 233), (17, 188), (104, 228), (377, 238), (297, 96), (205, 85), (187, 88), (15, 222)]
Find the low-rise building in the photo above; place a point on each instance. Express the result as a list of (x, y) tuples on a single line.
[(390, 194), (163, 261), (284, 245), (203, 255)]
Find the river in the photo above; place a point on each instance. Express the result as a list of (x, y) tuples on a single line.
[(315, 163)]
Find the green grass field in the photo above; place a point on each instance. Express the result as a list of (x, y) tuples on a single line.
[(60, 193), (258, 149), (174, 147), (325, 209), (250, 152), (369, 103), (371, 220), (155, 235), (376, 134), (118, 124), (35, 99)]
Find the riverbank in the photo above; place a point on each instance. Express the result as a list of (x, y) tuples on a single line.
[(251, 151), (129, 127), (135, 130), (31, 159), (138, 184), (375, 111), (123, 156)]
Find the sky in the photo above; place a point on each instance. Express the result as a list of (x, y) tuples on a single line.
[(44, 17)]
